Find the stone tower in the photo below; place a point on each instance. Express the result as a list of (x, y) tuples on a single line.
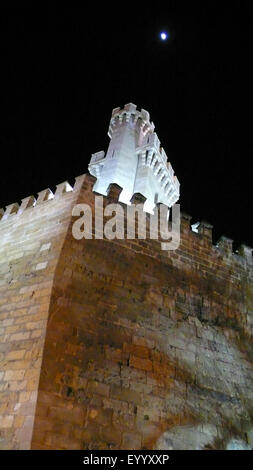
[(135, 161), (117, 344)]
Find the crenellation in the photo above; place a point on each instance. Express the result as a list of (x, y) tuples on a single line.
[(185, 222), (225, 245), (62, 188), (44, 196), (137, 198), (115, 111), (80, 181), (130, 107), (114, 192), (27, 202), (10, 210), (246, 252), (205, 229)]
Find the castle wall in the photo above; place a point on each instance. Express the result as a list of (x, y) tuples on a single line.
[(30, 244), (146, 348)]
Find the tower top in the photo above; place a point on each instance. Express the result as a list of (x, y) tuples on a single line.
[(135, 160), (130, 112)]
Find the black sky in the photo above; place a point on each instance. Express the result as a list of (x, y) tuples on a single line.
[(64, 69)]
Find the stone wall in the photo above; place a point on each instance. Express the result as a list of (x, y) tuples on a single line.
[(31, 238), (143, 348)]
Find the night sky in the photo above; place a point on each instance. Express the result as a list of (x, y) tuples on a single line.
[(63, 70)]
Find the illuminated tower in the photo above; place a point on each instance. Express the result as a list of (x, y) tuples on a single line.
[(135, 161)]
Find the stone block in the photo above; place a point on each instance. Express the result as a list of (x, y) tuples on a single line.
[(131, 441), (140, 363)]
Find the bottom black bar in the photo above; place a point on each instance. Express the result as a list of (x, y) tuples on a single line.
[(121, 459)]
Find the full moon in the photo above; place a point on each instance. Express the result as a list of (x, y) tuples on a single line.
[(163, 36)]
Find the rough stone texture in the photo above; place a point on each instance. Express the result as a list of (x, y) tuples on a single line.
[(31, 239), (117, 344)]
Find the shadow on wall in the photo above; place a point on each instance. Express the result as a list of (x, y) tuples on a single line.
[(199, 437)]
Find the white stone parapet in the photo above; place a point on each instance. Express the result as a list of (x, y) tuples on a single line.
[(135, 161)]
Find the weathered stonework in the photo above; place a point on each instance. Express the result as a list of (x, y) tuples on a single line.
[(118, 344)]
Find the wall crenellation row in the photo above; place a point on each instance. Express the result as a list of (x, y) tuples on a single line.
[(201, 230), (224, 244), (31, 201)]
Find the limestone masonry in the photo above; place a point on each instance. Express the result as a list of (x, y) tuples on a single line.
[(116, 344)]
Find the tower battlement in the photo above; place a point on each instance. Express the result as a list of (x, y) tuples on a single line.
[(131, 115), (135, 161)]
